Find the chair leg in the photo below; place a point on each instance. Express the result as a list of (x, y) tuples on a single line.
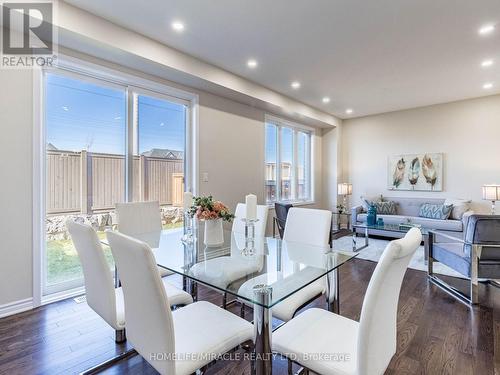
[(242, 310), (120, 336), (104, 365)]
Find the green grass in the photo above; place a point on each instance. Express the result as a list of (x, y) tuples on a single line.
[(63, 263)]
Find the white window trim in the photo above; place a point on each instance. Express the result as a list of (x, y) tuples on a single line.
[(280, 122), (69, 65)]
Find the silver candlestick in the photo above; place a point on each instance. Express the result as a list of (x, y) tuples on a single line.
[(249, 237)]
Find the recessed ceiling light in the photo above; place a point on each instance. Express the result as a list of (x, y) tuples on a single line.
[(486, 29), (349, 111), (252, 63), (487, 63), (295, 85), (326, 99), (178, 26), (487, 85)]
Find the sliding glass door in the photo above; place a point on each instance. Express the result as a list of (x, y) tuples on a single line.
[(105, 143)]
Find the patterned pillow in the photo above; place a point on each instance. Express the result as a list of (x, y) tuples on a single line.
[(386, 207), (435, 211), (366, 202)]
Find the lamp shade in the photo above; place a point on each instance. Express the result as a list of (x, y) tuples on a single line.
[(491, 192), (344, 189)]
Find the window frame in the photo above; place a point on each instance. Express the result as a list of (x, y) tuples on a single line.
[(76, 68), (296, 128)]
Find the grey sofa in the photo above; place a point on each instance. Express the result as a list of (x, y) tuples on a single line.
[(407, 211)]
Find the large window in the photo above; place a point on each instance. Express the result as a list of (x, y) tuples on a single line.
[(106, 142), (288, 162)]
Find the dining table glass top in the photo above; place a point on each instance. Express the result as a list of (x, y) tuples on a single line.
[(283, 267), (402, 228)]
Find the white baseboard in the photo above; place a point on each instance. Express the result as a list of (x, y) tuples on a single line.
[(16, 307)]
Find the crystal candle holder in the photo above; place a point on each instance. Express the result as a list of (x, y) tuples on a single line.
[(187, 238), (249, 237)]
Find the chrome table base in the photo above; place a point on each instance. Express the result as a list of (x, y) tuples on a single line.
[(262, 321)]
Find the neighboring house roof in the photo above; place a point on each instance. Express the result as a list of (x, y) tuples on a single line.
[(51, 147), (164, 154)]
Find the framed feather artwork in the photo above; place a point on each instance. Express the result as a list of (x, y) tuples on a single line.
[(419, 172)]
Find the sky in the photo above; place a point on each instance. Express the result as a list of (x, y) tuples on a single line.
[(84, 116)]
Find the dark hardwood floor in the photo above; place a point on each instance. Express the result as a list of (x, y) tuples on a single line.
[(436, 333)]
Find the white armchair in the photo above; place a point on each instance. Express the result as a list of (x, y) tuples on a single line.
[(178, 342), (363, 348)]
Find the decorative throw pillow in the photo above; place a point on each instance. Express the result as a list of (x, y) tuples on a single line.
[(460, 206), (367, 202), (386, 208), (435, 211)]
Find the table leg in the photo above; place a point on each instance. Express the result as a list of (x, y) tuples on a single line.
[(192, 288), (262, 321), (426, 248), (354, 241), (333, 291)]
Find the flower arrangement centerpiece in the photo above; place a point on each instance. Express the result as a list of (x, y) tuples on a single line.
[(213, 213), (205, 208)]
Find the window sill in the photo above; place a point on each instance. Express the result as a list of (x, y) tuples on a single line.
[(294, 203)]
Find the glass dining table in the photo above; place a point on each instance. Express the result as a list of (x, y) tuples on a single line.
[(275, 270)]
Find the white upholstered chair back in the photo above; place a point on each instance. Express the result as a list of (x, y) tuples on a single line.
[(309, 226), (260, 226), (99, 286), (150, 327), (377, 329), (138, 217)]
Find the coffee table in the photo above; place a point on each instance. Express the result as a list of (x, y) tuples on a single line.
[(391, 229)]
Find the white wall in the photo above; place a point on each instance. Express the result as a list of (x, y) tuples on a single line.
[(467, 132), (16, 105), (231, 151), (332, 165)]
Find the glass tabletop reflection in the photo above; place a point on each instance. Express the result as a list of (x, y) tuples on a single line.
[(283, 266)]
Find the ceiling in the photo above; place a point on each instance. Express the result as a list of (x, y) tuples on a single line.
[(371, 56)]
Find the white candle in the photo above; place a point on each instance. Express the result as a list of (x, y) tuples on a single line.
[(251, 206), (188, 200)]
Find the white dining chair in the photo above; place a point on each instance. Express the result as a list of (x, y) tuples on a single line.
[(260, 225), (303, 226), (233, 268), (135, 218), (349, 347), (174, 343), (101, 294)]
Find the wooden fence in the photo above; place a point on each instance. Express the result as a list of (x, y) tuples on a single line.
[(83, 182)]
